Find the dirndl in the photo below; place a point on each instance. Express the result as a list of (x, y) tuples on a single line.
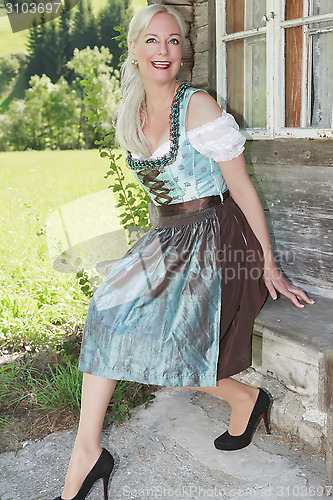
[(179, 307)]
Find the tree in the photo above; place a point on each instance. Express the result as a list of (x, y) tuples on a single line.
[(37, 53), (52, 115), (85, 26), (32, 64), (48, 117), (66, 44), (9, 68), (115, 13), (92, 28), (52, 66), (106, 77)]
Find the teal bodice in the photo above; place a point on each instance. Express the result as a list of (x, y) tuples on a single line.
[(183, 174)]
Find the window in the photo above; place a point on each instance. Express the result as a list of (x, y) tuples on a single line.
[(274, 66)]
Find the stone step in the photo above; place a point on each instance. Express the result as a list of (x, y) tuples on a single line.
[(293, 358)]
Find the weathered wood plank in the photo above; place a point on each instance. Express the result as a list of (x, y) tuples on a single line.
[(298, 205), (185, 8), (291, 151), (186, 11), (185, 73), (199, 39), (212, 47), (296, 249), (300, 189), (200, 14), (200, 69), (188, 52), (175, 3), (180, 2)]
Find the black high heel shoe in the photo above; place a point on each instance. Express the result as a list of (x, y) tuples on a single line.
[(101, 470), (262, 406)]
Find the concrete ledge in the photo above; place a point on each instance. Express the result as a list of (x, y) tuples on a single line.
[(310, 327), (295, 347)]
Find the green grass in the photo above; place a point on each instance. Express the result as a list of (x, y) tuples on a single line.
[(37, 302), (42, 393), (11, 43)]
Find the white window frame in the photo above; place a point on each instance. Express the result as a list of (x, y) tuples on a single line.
[(274, 31)]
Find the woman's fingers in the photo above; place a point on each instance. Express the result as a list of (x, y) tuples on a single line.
[(280, 284), (301, 294), (271, 290), (291, 296), (270, 287)]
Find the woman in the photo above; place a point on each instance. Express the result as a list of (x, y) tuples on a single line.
[(179, 308)]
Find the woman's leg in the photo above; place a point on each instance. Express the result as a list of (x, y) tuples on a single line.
[(95, 397), (241, 397)]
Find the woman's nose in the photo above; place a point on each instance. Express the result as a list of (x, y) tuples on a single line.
[(163, 48)]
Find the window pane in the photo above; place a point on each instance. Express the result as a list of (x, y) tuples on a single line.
[(245, 14), (246, 85), (293, 76), (254, 13), (321, 68), (322, 78), (235, 83), (322, 7)]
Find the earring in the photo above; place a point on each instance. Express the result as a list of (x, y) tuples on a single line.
[(182, 64), (135, 62)]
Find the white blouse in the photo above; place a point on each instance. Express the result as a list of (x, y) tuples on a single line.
[(219, 139)]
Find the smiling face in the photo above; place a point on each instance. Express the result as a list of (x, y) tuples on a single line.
[(158, 49)]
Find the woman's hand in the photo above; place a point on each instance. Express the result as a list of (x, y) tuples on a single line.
[(274, 282)]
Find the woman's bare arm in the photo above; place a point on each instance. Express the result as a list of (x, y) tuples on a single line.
[(246, 197), (202, 109)]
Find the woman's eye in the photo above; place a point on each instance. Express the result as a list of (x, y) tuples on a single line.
[(174, 41), (150, 40)]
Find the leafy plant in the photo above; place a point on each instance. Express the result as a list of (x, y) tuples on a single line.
[(131, 197), (62, 388), (51, 383), (122, 43)]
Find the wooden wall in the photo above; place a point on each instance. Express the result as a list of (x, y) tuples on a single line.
[(294, 181)]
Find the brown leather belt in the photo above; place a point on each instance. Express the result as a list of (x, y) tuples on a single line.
[(190, 206)]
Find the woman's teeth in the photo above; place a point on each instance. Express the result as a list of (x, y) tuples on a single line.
[(161, 65)]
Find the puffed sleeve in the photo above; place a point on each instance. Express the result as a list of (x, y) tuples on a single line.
[(219, 139)]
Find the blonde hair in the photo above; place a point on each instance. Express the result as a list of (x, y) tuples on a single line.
[(128, 123)]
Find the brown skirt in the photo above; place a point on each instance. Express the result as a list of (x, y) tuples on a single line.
[(241, 260)]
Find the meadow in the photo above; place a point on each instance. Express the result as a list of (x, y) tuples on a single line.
[(42, 311), (34, 298)]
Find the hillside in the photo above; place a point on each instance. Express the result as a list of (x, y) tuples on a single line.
[(13, 43)]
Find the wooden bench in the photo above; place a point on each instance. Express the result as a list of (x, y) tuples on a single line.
[(294, 180)]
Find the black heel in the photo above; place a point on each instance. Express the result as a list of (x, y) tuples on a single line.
[(228, 442), (101, 470), (266, 419), (105, 486)]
